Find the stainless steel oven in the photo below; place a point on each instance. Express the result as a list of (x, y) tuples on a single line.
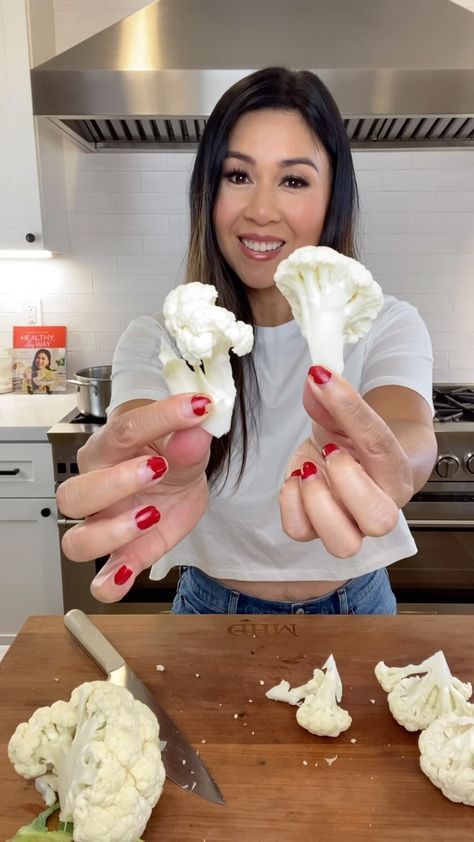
[(440, 577), (146, 596)]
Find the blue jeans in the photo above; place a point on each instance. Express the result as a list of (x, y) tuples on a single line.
[(197, 593)]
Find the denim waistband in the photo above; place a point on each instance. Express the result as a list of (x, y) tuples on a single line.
[(199, 593)]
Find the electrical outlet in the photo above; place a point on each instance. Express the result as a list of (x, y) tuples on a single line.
[(32, 312)]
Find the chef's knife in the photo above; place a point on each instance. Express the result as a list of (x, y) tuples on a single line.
[(182, 764)]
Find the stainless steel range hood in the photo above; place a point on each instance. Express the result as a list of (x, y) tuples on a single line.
[(401, 71)]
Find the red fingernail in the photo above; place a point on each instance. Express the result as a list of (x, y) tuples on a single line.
[(296, 473), (328, 449), (319, 374), (147, 517), (199, 404), (158, 465), (308, 469), (122, 575)]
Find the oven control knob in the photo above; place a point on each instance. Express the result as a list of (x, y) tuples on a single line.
[(447, 466), (469, 462)]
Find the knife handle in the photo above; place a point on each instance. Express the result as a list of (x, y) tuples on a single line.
[(93, 641)]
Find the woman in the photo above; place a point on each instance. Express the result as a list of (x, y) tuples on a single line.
[(303, 509), (41, 374)]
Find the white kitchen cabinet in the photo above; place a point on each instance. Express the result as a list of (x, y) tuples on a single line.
[(30, 568), (32, 194)]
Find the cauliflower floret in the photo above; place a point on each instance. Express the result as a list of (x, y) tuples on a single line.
[(417, 700), (333, 298), (204, 334), (100, 752), (447, 756), (319, 713)]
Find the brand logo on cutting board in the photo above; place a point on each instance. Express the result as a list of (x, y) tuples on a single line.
[(247, 629)]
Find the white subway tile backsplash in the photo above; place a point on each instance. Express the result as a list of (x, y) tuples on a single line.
[(170, 244), (116, 303), (461, 361), (151, 203), (445, 340), (114, 161), (86, 322), (464, 303), (455, 202), (384, 201), (408, 244), (92, 203), (151, 264), (106, 244), (81, 341), (109, 285), (430, 303), (126, 223), (107, 341), (423, 180), (117, 181), (163, 182)]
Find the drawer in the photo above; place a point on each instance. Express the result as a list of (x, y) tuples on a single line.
[(26, 470)]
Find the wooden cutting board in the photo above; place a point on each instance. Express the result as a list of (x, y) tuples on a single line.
[(274, 775)]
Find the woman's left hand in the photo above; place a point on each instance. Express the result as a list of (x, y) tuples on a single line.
[(349, 479)]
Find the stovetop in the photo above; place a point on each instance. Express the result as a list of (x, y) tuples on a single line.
[(453, 403)]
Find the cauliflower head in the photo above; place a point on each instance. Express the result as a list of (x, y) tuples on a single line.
[(419, 693), (447, 756), (333, 298), (204, 334), (319, 711), (100, 752)]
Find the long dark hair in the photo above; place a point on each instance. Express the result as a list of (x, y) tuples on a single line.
[(271, 87)]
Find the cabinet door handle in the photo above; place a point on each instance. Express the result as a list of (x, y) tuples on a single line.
[(12, 473)]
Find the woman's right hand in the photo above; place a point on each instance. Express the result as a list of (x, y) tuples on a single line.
[(142, 487)]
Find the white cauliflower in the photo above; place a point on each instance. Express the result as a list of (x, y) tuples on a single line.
[(319, 713), (100, 752), (447, 756), (204, 334), (333, 298), (419, 693)]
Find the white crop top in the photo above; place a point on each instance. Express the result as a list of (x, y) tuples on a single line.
[(240, 535)]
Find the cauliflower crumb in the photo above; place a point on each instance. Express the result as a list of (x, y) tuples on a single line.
[(204, 741), (253, 733), (353, 740), (236, 715), (183, 762), (305, 762), (330, 760), (160, 668), (261, 683), (250, 701), (372, 701), (197, 675)]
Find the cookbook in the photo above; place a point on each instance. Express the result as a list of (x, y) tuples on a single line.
[(39, 359)]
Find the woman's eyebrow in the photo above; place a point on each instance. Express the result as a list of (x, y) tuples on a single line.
[(287, 162)]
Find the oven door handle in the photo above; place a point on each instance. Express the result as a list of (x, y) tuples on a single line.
[(66, 522), (436, 524)]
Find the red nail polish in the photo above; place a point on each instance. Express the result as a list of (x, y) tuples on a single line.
[(308, 469), (122, 575), (328, 449), (296, 472), (319, 374), (158, 465), (199, 404), (147, 517)]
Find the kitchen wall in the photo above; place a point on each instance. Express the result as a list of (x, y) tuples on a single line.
[(128, 222)]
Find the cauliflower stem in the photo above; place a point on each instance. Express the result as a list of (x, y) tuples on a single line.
[(37, 830)]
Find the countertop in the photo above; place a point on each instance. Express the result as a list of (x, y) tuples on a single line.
[(29, 417), (275, 776)]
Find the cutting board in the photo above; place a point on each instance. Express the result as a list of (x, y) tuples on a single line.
[(274, 776)]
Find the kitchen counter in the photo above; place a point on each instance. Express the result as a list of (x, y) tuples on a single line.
[(29, 417), (274, 776)]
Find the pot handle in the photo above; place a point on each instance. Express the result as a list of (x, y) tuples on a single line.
[(78, 383)]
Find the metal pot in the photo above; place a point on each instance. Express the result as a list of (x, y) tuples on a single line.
[(94, 388)]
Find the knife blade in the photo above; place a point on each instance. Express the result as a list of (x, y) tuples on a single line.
[(182, 763)]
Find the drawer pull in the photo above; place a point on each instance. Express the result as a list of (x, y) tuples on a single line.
[(12, 473)]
